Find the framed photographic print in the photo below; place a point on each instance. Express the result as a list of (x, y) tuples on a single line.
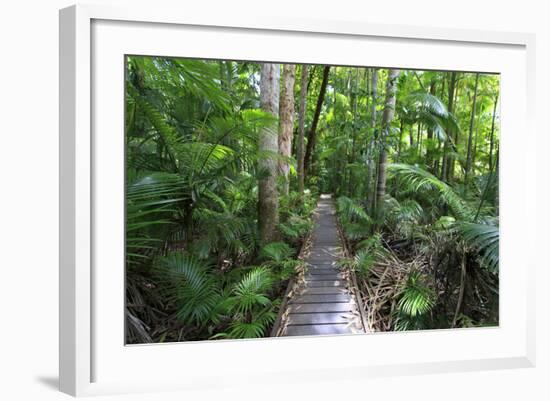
[(345, 196)]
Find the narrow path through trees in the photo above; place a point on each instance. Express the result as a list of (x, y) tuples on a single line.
[(321, 300)]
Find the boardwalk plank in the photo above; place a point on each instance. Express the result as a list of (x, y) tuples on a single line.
[(319, 270), (320, 298), (324, 290), (318, 318), (326, 283), (321, 308), (324, 277), (316, 330), (325, 260), (323, 266)]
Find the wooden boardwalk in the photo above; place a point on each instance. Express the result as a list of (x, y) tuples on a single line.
[(321, 300)]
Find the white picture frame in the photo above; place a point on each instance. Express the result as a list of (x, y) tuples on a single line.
[(93, 357)]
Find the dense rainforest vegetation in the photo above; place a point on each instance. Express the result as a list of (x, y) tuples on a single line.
[(225, 162)]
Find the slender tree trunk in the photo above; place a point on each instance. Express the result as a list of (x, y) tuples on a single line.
[(374, 93), (366, 78), (455, 137), (475, 144), (371, 174), (336, 160), (313, 130), (286, 122), (450, 105), (400, 140), (419, 140), (229, 74), (492, 143), (387, 117), (470, 135), (268, 205), (351, 180), (430, 136), (311, 76), (461, 289), (301, 127)]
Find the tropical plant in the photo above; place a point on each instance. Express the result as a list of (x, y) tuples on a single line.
[(415, 302)]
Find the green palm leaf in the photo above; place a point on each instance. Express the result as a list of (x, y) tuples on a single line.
[(418, 180), (189, 282), (485, 239)]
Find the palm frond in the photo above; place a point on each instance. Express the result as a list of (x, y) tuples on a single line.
[(190, 283), (418, 180), (250, 291), (276, 251), (485, 239), (351, 211)]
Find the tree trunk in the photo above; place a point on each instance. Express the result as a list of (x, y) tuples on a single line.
[(354, 100), (430, 137), (387, 117), (399, 144), (454, 136), (366, 79), (470, 134), (301, 127), (492, 143), (286, 122), (336, 164), (371, 173), (475, 142), (419, 140), (268, 205), (450, 105), (313, 130)]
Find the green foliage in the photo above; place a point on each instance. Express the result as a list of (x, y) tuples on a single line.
[(404, 217), (276, 251), (355, 221), (373, 244), (416, 180), (251, 309), (417, 298), (254, 329), (150, 205), (295, 213), (350, 211), (190, 284), (428, 109), (483, 238), (415, 302), (363, 261), (251, 291)]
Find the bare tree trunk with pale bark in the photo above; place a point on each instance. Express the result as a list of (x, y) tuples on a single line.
[(387, 117), (286, 122), (268, 202)]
